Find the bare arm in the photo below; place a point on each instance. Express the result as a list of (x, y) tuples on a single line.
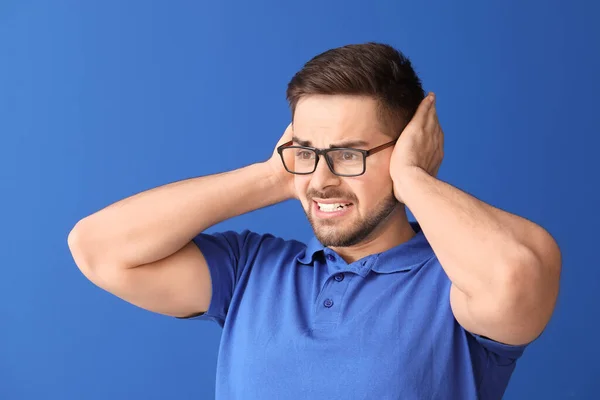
[(505, 270), (140, 248)]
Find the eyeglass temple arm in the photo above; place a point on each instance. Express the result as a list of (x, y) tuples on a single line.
[(382, 147)]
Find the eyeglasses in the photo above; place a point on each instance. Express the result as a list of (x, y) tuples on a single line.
[(342, 161)]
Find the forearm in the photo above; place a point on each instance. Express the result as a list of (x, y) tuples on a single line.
[(479, 246), (156, 223)]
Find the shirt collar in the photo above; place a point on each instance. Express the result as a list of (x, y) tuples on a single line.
[(406, 256)]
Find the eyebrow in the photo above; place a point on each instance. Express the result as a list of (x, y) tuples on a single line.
[(348, 143)]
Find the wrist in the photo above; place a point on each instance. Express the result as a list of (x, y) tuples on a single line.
[(279, 179), (406, 178)]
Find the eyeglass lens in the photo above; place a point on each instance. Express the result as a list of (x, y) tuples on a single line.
[(302, 160)]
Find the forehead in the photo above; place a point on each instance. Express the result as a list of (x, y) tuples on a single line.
[(325, 120)]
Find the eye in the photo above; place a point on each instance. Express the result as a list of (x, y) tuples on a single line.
[(349, 156), (304, 154)]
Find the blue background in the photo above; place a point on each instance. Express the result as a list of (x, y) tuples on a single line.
[(100, 100)]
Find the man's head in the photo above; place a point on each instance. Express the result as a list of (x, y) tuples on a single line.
[(359, 96)]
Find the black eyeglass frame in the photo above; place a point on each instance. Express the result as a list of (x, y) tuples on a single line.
[(323, 152)]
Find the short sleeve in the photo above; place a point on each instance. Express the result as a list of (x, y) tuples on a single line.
[(502, 354), (225, 256), (495, 363)]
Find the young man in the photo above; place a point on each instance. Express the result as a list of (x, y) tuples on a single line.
[(374, 307)]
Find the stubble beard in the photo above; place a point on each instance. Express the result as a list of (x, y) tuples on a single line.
[(330, 235)]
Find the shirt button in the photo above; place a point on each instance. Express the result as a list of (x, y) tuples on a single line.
[(328, 303), (339, 277), (330, 257)]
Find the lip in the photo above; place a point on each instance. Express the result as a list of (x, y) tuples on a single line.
[(334, 214), (331, 201)]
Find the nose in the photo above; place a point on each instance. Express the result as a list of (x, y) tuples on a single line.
[(323, 177)]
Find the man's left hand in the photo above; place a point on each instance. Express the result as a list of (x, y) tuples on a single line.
[(420, 146)]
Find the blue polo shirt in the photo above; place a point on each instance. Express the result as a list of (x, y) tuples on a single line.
[(301, 323)]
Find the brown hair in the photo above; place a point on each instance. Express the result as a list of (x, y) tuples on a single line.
[(371, 69)]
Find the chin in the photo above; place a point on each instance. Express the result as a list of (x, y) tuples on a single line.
[(341, 233), (350, 230)]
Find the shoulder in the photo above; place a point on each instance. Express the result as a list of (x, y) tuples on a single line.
[(247, 243)]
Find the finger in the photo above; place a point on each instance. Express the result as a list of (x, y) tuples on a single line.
[(431, 119), (423, 109)]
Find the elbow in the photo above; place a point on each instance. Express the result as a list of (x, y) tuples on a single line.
[(81, 248), (532, 281), (75, 242), (86, 260), (527, 296)]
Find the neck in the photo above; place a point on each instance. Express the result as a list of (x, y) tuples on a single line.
[(391, 233)]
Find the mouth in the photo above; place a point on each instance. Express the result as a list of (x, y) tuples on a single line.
[(332, 210)]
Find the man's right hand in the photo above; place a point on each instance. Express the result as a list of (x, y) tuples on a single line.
[(285, 178), (141, 249)]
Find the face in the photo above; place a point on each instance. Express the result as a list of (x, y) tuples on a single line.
[(344, 211)]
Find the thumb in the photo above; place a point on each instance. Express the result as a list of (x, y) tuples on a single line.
[(287, 135)]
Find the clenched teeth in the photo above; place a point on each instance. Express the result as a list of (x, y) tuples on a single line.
[(332, 207)]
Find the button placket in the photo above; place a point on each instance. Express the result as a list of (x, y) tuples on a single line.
[(330, 302)]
